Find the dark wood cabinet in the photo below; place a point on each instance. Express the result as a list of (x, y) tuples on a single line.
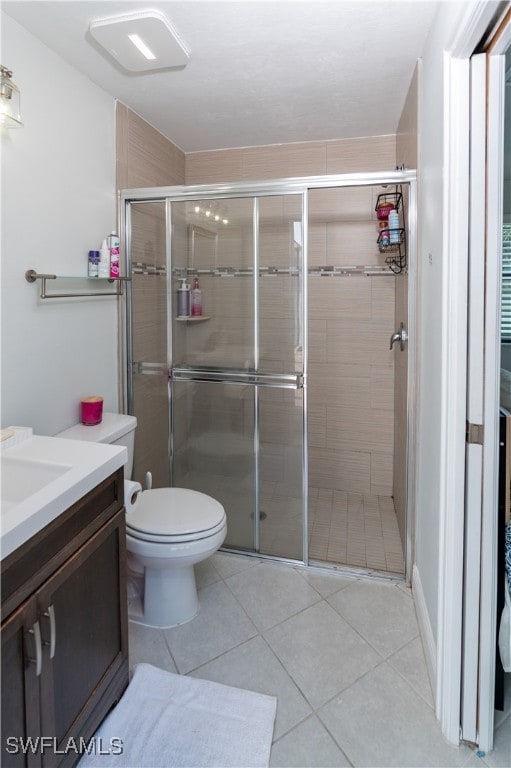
[(65, 646)]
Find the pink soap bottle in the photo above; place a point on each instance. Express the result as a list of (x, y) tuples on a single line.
[(196, 298)]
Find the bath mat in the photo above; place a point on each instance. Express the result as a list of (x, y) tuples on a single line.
[(166, 720)]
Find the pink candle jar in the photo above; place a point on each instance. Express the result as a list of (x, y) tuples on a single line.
[(92, 410)]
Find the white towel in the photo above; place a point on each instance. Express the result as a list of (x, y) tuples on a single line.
[(166, 720)]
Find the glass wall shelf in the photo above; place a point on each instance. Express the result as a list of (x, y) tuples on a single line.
[(31, 276)]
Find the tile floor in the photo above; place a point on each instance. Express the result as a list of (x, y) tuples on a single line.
[(354, 529), (342, 655)]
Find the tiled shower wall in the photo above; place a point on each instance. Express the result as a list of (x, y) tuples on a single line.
[(351, 369)]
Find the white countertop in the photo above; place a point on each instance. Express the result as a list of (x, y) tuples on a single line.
[(79, 467)]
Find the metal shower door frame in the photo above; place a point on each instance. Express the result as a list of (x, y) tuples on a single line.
[(287, 186)]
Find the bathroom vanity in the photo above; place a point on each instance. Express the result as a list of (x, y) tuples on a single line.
[(64, 627)]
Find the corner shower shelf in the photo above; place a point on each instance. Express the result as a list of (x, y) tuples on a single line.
[(31, 276), (198, 319)]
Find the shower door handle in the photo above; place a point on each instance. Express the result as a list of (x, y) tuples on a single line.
[(400, 336), (150, 369)]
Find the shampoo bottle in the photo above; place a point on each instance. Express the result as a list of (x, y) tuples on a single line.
[(196, 299), (104, 260), (183, 299), (394, 233), (113, 248)]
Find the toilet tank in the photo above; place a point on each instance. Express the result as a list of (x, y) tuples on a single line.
[(115, 428)]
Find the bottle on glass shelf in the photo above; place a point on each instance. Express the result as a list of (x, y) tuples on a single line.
[(196, 299)]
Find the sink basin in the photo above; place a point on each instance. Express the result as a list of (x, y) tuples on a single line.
[(23, 477), (43, 476)]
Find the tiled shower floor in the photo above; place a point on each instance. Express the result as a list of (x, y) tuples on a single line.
[(354, 529), (351, 529)]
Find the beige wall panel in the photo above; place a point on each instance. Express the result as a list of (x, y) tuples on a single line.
[(152, 159), (352, 393), (149, 296), (359, 429), (289, 160), (317, 348), (342, 204), (344, 370), (360, 341), (278, 297), (121, 144), (317, 245), (373, 153), (275, 246), (284, 161), (214, 167), (337, 298), (277, 425), (353, 243), (381, 474), (383, 291), (382, 388), (345, 470), (316, 421)]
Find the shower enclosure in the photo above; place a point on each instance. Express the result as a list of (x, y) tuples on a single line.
[(252, 401)]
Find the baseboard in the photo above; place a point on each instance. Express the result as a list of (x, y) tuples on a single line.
[(428, 640)]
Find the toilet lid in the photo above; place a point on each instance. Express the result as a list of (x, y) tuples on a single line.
[(176, 513)]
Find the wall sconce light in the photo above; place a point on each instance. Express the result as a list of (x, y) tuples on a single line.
[(10, 114)]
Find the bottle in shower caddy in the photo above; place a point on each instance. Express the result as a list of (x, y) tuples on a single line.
[(196, 299), (183, 298), (394, 233)]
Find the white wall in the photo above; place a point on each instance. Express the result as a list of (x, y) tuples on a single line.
[(58, 202), (432, 325)]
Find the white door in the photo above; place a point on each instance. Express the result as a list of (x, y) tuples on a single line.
[(475, 365), (481, 503)]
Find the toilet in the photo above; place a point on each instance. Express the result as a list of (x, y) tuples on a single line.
[(168, 531)]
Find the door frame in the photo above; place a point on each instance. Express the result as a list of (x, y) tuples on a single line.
[(478, 19)]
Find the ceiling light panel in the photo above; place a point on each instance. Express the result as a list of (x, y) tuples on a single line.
[(141, 41)]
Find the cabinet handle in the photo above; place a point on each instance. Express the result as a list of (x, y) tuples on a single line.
[(50, 614), (36, 632)]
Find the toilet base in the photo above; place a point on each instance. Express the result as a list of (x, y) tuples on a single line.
[(170, 597)]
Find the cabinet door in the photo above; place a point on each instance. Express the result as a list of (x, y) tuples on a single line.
[(21, 669), (83, 612)]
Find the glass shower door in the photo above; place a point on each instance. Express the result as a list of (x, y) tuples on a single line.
[(148, 384), (237, 398)]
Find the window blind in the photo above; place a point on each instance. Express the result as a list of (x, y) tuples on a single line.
[(505, 325)]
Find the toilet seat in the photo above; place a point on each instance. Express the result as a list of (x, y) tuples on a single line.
[(175, 515)]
